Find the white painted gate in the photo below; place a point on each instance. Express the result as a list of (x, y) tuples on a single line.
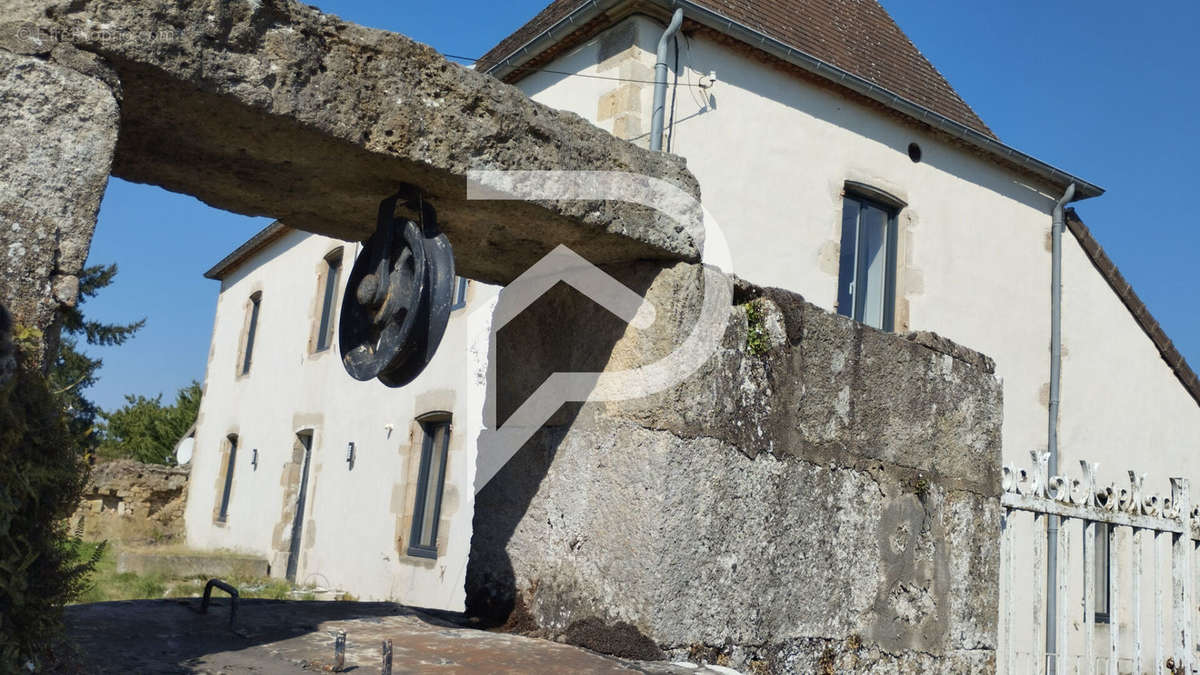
[(1151, 622)]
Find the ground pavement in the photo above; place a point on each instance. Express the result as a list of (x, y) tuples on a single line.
[(171, 636)]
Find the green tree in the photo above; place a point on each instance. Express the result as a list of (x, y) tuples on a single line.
[(73, 372), (41, 478), (146, 430)]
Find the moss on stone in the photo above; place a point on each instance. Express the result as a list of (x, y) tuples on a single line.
[(756, 330)]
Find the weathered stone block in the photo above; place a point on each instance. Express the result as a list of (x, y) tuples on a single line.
[(831, 489), (58, 129)]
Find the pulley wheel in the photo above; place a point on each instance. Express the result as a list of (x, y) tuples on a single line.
[(430, 326), (397, 300)]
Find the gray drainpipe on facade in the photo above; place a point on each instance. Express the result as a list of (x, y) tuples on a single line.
[(660, 82), (1056, 229), (590, 9)]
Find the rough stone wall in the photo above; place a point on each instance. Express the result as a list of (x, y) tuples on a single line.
[(58, 128), (133, 502), (821, 498)]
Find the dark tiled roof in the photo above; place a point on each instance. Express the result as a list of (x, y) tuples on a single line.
[(857, 36), (1108, 269)]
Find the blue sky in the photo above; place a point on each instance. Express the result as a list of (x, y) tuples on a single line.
[(1105, 90)]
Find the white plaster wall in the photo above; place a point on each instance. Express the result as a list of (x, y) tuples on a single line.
[(1117, 392), (350, 529), (772, 153)]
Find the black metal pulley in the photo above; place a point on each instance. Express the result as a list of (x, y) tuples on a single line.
[(398, 296)]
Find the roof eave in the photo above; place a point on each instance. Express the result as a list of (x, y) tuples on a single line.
[(241, 253), (590, 9)]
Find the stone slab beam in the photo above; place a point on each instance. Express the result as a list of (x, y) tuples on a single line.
[(58, 129), (270, 107)]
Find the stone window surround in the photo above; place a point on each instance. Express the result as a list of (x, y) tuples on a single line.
[(241, 368), (421, 487), (317, 307), (228, 455)]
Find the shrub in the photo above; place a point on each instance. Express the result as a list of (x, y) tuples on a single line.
[(41, 478)]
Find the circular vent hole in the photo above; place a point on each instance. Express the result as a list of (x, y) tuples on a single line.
[(914, 152)]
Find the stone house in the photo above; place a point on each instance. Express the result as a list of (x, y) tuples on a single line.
[(841, 166), (286, 442)]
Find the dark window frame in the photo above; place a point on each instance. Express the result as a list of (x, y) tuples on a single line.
[(332, 276), (251, 332), (850, 303), (430, 423), (227, 489)]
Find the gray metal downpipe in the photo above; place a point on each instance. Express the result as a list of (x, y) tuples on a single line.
[(1056, 230), (660, 81)]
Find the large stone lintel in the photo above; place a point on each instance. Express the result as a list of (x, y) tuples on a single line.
[(269, 107)]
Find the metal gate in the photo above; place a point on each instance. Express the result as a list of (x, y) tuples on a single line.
[(1146, 632)]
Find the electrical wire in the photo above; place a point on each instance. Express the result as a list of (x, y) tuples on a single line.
[(570, 74), (702, 102)]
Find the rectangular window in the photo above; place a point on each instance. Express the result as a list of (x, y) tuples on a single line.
[(333, 268), (1103, 571), (430, 479), (223, 513), (460, 294), (248, 352), (867, 264)]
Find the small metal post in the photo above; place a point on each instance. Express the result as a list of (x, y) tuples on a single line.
[(339, 651), (233, 600), (387, 657)]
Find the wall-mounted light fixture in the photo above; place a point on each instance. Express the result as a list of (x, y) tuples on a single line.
[(254, 459), (350, 454)]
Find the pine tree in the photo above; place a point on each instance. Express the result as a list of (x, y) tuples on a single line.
[(73, 372)]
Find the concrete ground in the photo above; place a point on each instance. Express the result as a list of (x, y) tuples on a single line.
[(171, 636)]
